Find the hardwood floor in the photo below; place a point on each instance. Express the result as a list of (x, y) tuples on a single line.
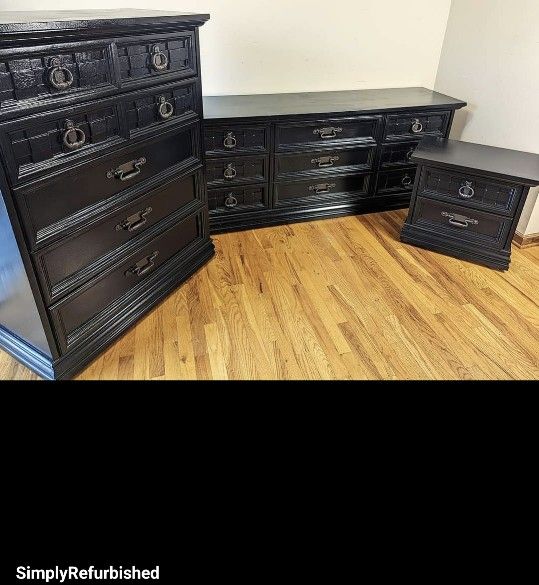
[(333, 299)]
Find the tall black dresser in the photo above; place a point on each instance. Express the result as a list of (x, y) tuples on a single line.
[(103, 209)]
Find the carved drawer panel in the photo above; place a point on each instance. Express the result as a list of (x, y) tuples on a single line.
[(155, 56), (238, 170), (395, 182), (416, 124), (166, 103), (397, 154), (220, 140), (45, 74), (237, 199), (36, 145), (471, 190)]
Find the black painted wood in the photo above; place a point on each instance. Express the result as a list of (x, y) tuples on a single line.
[(104, 206), (335, 138), (468, 198)]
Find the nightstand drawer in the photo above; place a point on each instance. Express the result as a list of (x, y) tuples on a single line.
[(470, 190), (416, 125), (460, 222), (230, 139), (237, 170)]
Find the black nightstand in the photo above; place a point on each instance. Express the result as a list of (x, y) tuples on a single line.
[(468, 198)]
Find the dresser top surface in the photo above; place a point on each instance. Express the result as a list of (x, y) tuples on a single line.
[(14, 21), (325, 102), (500, 162)]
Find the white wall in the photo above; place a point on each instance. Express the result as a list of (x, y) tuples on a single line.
[(272, 46), (490, 58)]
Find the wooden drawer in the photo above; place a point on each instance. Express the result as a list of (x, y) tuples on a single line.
[(397, 154), (156, 57), (76, 315), (327, 191), (69, 263), (325, 162), (416, 124), (237, 199), (461, 223), (237, 170), (36, 145), (220, 140), (334, 132), (56, 206), (50, 74), (395, 182), (473, 191), (163, 105)]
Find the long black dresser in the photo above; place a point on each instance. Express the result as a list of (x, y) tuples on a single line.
[(103, 209), (281, 158)]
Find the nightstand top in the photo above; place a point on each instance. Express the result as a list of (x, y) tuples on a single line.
[(497, 162)]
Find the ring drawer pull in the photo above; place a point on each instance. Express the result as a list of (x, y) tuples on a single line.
[(135, 221), (329, 132), (159, 59), (459, 220), (165, 108), (406, 181), (324, 161), (467, 191), (409, 153), (143, 266), (127, 170), (230, 140), (417, 126), (73, 137), (322, 188), (231, 201), (230, 172), (60, 77)]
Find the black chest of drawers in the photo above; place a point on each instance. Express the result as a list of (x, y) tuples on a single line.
[(282, 158), (103, 209), (468, 198)]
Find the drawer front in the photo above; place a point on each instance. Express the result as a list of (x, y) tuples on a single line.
[(397, 154), (70, 263), (74, 315), (334, 132), (328, 191), (359, 159), (234, 171), (417, 124), (461, 222), (394, 182), (156, 57), (47, 74), (237, 199), (36, 145), (54, 207), (478, 192), (219, 140), (161, 105)]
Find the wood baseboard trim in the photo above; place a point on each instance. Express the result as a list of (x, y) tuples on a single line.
[(525, 241)]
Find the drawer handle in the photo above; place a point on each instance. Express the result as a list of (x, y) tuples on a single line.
[(406, 181), (409, 153), (467, 191), (73, 137), (143, 266), (329, 132), (60, 77), (230, 172), (230, 140), (322, 188), (165, 108), (417, 127), (135, 221), (459, 220), (324, 161), (231, 201), (127, 170), (159, 59)]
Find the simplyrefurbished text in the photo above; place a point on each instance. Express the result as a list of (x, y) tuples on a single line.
[(62, 575)]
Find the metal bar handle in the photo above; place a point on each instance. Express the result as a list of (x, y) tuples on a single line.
[(322, 188), (328, 132), (459, 220), (135, 221), (125, 174), (324, 161), (143, 266)]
